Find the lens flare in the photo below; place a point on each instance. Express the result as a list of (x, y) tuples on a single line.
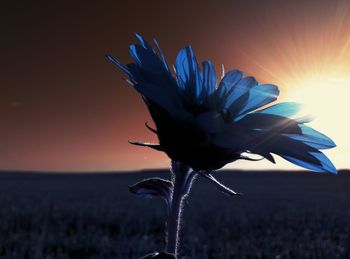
[(310, 61)]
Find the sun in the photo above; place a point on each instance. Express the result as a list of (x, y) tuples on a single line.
[(320, 97), (326, 100)]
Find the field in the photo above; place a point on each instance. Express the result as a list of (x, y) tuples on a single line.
[(281, 215)]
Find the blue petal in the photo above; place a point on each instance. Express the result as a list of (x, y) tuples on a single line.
[(297, 152), (325, 164), (160, 95), (236, 92), (230, 79), (161, 54), (259, 96), (118, 64), (148, 69), (313, 138), (285, 109), (305, 119), (147, 59), (209, 78), (271, 124), (188, 73), (142, 41), (135, 72)]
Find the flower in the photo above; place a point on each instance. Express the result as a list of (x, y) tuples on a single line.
[(206, 124)]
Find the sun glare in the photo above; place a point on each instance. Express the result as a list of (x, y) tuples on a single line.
[(310, 62), (326, 100), (320, 98)]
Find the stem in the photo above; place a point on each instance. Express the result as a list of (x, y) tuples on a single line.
[(182, 181), (174, 218)]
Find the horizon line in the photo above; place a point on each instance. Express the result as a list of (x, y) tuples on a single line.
[(148, 170)]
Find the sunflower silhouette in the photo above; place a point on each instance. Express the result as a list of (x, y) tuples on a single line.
[(203, 123)]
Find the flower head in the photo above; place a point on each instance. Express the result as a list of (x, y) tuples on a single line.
[(206, 123)]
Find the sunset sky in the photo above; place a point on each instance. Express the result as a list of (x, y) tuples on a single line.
[(63, 107)]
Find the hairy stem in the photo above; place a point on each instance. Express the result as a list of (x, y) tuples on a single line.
[(174, 219), (182, 182)]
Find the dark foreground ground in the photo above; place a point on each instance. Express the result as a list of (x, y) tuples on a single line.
[(281, 215)]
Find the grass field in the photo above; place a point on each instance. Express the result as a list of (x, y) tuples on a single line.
[(281, 215)]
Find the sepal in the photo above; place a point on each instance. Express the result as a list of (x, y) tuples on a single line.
[(224, 189), (145, 144)]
